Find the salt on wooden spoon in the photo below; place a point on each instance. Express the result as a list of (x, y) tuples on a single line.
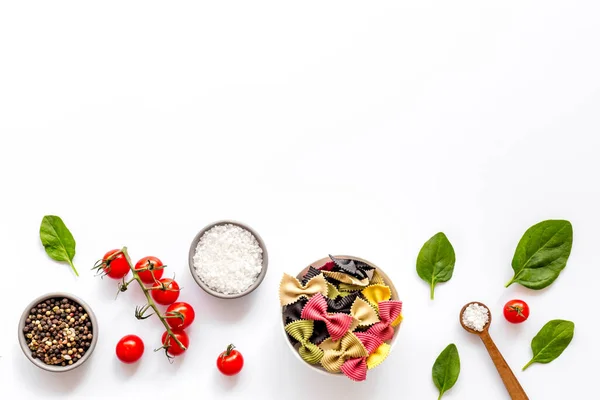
[(474, 319)]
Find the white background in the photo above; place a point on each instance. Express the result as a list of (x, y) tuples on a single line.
[(329, 127)]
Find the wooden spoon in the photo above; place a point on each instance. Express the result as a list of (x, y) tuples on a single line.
[(510, 381)]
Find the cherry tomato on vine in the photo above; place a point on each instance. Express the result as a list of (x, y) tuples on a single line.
[(117, 267), (178, 310), (152, 274), (172, 347), (130, 349), (516, 311), (165, 291), (230, 362)]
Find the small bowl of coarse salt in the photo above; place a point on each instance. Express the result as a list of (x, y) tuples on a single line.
[(228, 259)]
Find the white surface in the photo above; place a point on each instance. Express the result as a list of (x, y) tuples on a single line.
[(340, 126)]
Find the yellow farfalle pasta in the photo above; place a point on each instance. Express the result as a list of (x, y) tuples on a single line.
[(290, 288), (375, 294), (336, 352), (364, 314), (378, 355), (345, 278), (302, 330), (397, 321)]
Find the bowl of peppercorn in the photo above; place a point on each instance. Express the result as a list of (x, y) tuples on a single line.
[(58, 332)]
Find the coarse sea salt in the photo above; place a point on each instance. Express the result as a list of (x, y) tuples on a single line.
[(476, 317), (228, 259)]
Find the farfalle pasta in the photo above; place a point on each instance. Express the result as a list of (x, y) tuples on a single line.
[(291, 289), (337, 352), (388, 312), (301, 331), (342, 304), (344, 278), (363, 313), (375, 294), (316, 310), (340, 315)]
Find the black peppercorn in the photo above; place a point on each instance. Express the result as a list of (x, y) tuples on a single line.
[(55, 333)]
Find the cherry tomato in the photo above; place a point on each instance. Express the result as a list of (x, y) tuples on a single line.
[(130, 349), (172, 347), (230, 362), (153, 274), (116, 267), (516, 311), (165, 291), (177, 310)]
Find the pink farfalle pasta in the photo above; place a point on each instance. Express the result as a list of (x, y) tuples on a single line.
[(316, 309), (389, 311)]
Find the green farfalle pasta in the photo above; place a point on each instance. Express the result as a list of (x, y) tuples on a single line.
[(349, 287), (333, 293), (301, 331)]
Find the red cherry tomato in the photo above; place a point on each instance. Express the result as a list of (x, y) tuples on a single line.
[(230, 362), (130, 349), (516, 311), (154, 272), (115, 267), (165, 291), (178, 310), (172, 347)]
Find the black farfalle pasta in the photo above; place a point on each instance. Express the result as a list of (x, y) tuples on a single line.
[(311, 273), (357, 269), (320, 332), (342, 304), (292, 312)]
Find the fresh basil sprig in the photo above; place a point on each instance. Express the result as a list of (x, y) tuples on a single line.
[(436, 260), (446, 369), (58, 240), (551, 341), (542, 253)]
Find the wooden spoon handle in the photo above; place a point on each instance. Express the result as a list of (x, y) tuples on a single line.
[(510, 381)]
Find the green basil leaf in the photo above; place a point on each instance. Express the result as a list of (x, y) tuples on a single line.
[(542, 253), (58, 240), (551, 341), (446, 369), (436, 260)]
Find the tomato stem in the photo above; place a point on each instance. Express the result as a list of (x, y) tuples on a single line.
[(151, 303), (229, 350)]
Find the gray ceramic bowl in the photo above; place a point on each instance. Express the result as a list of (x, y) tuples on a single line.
[(37, 361), (203, 285)]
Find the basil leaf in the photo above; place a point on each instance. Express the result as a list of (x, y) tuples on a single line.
[(58, 240), (551, 341), (446, 369), (436, 259), (542, 253)]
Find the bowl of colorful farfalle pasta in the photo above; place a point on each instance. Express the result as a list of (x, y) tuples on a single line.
[(340, 315)]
